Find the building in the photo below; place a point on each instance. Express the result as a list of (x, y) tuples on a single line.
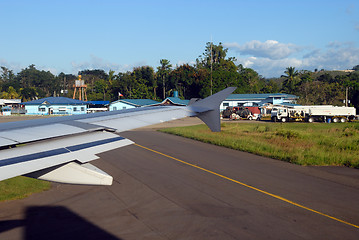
[(175, 100), (131, 103), (8, 106), (56, 106), (6, 111), (260, 99), (97, 106), (10, 102)]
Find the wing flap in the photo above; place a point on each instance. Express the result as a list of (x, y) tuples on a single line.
[(50, 153), (74, 173)]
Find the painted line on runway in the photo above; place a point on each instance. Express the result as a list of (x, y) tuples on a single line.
[(248, 186)]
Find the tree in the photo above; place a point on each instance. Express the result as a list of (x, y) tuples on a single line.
[(66, 82), (163, 72), (101, 87), (185, 80), (90, 77), (290, 80), (10, 93), (28, 94), (44, 81), (7, 79), (213, 55), (251, 80), (220, 70)]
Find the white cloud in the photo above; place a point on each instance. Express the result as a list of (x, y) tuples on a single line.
[(269, 67), (271, 58), (180, 63), (336, 56), (269, 49), (16, 67)]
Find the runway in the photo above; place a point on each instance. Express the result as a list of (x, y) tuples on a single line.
[(183, 189)]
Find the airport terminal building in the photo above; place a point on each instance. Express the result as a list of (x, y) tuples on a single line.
[(56, 106)]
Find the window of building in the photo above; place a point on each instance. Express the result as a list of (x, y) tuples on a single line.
[(75, 109), (82, 109), (42, 109)]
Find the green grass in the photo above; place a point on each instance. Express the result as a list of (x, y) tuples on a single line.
[(318, 144), (21, 187)]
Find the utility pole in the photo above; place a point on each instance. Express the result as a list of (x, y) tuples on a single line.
[(211, 67), (164, 89)]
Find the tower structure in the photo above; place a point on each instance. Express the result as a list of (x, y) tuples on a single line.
[(80, 86)]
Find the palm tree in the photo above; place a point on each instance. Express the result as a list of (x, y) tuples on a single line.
[(10, 94), (163, 71), (291, 79)]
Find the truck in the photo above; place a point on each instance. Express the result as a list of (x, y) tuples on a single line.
[(313, 113)]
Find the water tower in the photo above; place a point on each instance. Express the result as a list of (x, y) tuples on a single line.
[(81, 87)]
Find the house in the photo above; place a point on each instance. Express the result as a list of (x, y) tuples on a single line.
[(131, 103), (56, 106), (260, 99)]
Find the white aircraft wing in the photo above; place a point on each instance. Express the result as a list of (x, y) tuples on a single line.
[(59, 149)]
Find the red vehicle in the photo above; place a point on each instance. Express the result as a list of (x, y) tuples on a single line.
[(236, 113)]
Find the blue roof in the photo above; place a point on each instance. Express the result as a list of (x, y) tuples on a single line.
[(55, 101), (98, 102), (258, 96), (290, 104), (138, 102), (177, 101)]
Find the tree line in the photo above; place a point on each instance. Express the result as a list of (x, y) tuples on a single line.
[(213, 71)]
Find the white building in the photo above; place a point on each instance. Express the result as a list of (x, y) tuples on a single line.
[(131, 103), (55, 105), (260, 99)]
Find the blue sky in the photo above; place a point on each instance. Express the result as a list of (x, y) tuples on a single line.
[(268, 36)]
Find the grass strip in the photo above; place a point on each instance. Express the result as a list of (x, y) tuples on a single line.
[(315, 144), (21, 187)]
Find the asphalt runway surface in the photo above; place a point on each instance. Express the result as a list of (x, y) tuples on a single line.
[(168, 187)]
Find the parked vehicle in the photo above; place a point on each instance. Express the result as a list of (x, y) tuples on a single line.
[(236, 113), (315, 113)]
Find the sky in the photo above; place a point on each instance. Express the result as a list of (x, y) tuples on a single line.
[(268, 36)]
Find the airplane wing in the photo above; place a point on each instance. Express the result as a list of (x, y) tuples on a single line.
[(59, 149)]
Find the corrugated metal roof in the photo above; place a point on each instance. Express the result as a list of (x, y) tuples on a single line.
[(98, 102), (137, 102), (258, 96), (10, 101), (177, 101), (56, 101)]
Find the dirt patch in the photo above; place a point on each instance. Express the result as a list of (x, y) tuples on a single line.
[(15, 118)]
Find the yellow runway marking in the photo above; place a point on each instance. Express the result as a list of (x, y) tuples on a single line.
[(248, 186)]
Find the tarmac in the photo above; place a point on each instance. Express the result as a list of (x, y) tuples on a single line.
[(169, 187)]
